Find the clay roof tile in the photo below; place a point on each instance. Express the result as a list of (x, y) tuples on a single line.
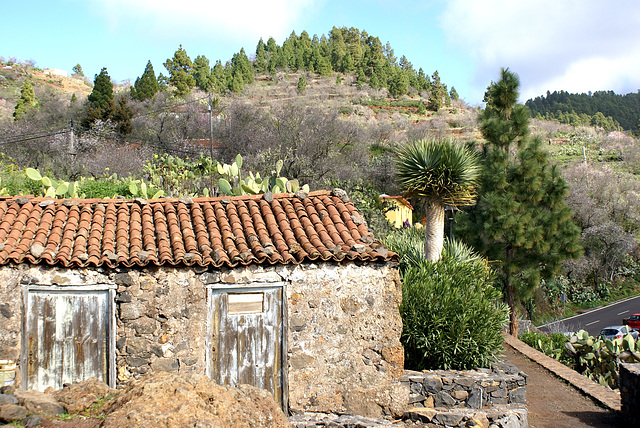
[(202, 231)]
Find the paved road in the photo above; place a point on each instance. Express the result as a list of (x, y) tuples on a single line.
[(595, 320)]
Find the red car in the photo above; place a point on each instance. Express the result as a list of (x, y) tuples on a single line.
[(633, 321)]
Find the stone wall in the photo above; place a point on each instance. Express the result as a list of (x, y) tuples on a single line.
[(502, 384), (630, 392), (493, 397), (343, 328)]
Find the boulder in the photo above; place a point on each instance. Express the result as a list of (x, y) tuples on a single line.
[(78, 396), (12, 412), (179, 400), (39, 402)]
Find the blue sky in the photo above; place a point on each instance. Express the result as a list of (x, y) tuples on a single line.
[(577, 46)]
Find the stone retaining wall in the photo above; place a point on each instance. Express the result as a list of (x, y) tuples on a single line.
[(630, 392), (493, 397), (503, 384)]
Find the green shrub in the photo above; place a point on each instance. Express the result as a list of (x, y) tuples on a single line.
[(453, 317), (551, 345), (104, 188), (409, 244)]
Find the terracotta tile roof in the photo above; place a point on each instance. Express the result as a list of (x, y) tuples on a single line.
[(223, 231)]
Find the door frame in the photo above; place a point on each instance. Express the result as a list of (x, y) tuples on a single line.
[(111, 327), (247, 288)]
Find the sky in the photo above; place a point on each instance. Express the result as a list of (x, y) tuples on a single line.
[(570, 45)]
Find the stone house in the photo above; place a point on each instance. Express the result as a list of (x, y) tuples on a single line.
[(290, 293)]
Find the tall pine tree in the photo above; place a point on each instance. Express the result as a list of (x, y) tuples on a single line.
[(146, 86), (180, 70), (101, 103), (26, 102), (520, 222)]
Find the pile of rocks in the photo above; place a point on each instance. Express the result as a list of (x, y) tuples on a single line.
[(158, 399), (15, 405)]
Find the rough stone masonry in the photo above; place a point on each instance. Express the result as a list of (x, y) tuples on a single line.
[(342, 331)]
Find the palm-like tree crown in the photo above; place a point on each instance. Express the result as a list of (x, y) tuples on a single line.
[(440, 171)]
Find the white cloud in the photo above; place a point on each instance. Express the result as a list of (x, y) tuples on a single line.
[(208, 19), (552, 44)]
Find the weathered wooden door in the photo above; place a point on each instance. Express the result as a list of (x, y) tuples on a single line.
[(67, 336), (247, 338)]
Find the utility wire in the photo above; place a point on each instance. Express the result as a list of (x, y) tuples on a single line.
[(21, 140)]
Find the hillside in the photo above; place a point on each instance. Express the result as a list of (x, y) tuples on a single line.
[(604, 109), (12, 76)]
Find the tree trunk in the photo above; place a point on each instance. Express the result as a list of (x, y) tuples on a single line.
[(510, 292), (513, 314), (434, 231)]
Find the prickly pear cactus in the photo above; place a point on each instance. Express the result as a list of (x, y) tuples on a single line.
[(598, 358)]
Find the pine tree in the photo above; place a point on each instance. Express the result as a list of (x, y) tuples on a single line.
[(520, 222), (262, 60), (218, 76), (242, 67), (101, 104), (454, 94), (77, 70), (338, 49), (26, 102), (438, 93), (202, 73), (398, 83), (180, 70), (146, 86), (122, 116), (302, 85)]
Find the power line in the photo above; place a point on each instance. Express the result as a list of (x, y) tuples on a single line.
[(22, 140), (169, 147)]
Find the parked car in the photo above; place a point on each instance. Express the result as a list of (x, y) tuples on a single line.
[(633, 321), (618, 331)]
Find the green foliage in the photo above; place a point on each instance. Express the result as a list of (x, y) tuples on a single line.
[(122, 116), (26, 102), (105, 187), (441, 171), (202, 73), (451, 312), (233, 184), (302, 85), (551, 345), (451, 315), (52, 188), (597, 358), (146, 86), (520, 220), (601, 108), (77, 70), (180, 72), (242, 72), (438, 96), (182, 177), (101, 100)]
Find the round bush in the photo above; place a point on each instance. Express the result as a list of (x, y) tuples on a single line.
[(453, 316)]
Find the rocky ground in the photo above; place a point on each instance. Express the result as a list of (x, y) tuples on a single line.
[(166, 400)]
